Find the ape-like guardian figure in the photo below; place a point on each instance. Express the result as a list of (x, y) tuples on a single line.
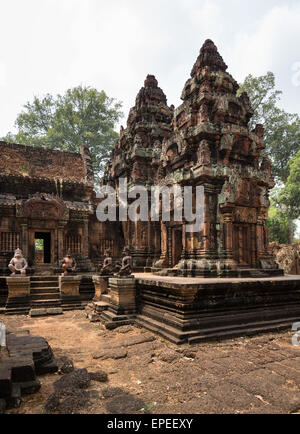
[(68, 264), (126, 267), (107, 267), (18, 264)]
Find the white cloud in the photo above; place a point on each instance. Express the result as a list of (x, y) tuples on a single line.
[(274, 46), (52, 45), (2, 74)]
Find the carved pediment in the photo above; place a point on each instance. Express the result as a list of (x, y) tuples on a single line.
[(42, 207)]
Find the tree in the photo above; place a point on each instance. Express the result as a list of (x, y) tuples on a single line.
[(278, 225), (289, 196), (282, 129), (81, 115), (282, 137)]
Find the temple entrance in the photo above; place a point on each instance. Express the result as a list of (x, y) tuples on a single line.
[(242, 244), (42, 247)]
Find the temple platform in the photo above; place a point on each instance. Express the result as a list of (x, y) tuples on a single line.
[(44, 296), (190, 310), (240, 272)]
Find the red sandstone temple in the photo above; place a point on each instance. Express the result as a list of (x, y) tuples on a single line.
[(204, 142), (48, 207), (48, 195)]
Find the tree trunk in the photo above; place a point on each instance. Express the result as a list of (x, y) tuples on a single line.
[(291, 231)]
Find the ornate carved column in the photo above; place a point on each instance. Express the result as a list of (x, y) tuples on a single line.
[(264, 258), (228, 235), (24, 237), (259, 237), (163, 260), (169, 232), (60, 241), (207, 246), (227, 261), (85, 246), (253, 246)]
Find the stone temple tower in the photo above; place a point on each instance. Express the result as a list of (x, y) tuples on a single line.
[(205, 142)]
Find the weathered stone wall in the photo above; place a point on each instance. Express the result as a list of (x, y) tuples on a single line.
[(34, 162)]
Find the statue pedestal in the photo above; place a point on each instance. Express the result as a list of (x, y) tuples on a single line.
[(123, 295), (69, 291), (18, 300), (122, 304), (101, 286)]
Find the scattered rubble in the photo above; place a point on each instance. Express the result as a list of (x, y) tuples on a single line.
[(99, 376), (287, 257), (65, 365)]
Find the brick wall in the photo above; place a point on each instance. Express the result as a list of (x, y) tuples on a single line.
[(39, 162)]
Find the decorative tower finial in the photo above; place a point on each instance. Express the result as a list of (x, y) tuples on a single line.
[(151, 81), (209, 56)]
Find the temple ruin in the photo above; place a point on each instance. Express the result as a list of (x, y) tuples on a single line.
[(187, 286), (205, 141)]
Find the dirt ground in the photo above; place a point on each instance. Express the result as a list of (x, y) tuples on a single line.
[(146, 374)]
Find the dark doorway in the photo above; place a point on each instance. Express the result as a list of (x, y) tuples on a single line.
[(42, 242)]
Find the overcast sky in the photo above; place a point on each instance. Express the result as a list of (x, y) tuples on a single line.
[(48, 46)]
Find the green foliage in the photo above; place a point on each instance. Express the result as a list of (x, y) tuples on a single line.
[(282, 129), (39, 244), (278, 224), (289, 196), (81, 115)]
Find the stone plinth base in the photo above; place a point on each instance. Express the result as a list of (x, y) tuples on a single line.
[(123, 295), (101, 286), (18, 300), (69, 286), (18, 287), (190, 310), (69, 292), (121, 303)]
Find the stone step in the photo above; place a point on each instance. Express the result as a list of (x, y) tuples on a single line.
[(166, 331), (106, 298), (45, 303), (44, 284), (73, 306), (43, 278), (194, 336), (112, 321), (242, 330), (100, 306), (45, 311), (47, 290), (45, 296), (17, 310)]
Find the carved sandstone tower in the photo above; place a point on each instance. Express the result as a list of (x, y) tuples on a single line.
[(204, 142), (136, 157), (212, 146)]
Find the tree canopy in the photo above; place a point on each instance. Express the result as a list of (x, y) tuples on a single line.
[(282, 129), (282, 137), (81, 115), (289, 196)]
